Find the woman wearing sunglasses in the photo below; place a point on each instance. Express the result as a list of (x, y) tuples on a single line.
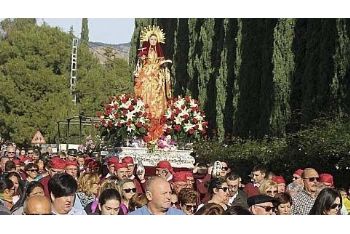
[(127, 189), (219, 192), (328, 202), (188, 201), (269, 188)]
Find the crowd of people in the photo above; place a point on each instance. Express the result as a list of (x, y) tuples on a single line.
[(73, 183)]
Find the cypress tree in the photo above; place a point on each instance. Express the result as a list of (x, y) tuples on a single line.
[(84, 31), (283, 67)]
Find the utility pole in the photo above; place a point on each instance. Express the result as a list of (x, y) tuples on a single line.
[(73, 70)]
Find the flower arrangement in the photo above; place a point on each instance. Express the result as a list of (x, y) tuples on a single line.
[(90, 144), (166, 143), (184, 120), (125, 117)]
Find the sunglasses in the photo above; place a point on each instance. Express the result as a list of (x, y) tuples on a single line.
[(271, 191), (129, 190), (225, 189), (267, 208), (33, 170), (335, 206), (174, 203), (191, 207), (312, 179), (10, 152), (296, 178), (224, 168)]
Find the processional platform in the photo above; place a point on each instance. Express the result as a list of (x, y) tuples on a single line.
[(177, 158)]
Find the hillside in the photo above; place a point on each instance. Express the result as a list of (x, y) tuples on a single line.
[(99, 48)]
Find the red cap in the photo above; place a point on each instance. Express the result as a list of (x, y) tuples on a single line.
[(57, 163), (298, 172), (128, 160), (113, 160), (120, 165), (166, 165), (278, 179), (326, 178), (93, 165), (71, 163), (180, 176)]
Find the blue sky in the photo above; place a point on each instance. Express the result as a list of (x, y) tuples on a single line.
[(106, 30)]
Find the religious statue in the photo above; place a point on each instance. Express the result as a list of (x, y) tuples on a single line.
[(152, 78)]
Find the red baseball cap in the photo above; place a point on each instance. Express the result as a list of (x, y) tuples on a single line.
[(113, 160), (180, 176), (71, 163), (298, 172), (128, 160), (165, 165), (326, 178), (120, 165), (57, 163), (278, 179)]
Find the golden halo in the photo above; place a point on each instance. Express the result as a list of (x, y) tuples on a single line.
[(147, 31)]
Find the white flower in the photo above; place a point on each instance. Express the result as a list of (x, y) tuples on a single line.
[(179, 103), (129, 115), (198, 116), (168, 114), (178, 120), (188, 126), (142, 120), (200, 127), (192, 103)]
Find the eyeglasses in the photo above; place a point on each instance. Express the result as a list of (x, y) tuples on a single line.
[(33, 170), (296, 178), (224, 168), (267, 208), (11, 152), (335, 206), (174, 203), (312, 179), (271, 191), (225, 189), (191, 207), (129, 190)]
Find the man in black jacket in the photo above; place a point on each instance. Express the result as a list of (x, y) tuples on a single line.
[(237, 196)]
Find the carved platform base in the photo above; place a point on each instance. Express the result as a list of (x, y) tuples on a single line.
[(177, 158)]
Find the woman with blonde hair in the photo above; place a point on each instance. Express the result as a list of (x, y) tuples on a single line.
[(88, 186), (269, 188), (92, 208)]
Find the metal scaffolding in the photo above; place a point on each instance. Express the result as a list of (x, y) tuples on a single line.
[(73, 70)]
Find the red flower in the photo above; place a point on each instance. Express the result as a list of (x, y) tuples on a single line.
[(194, 120), (191, 131), (138, 124), (131, 108), (125, 112), (177, 128), (146, 138)]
